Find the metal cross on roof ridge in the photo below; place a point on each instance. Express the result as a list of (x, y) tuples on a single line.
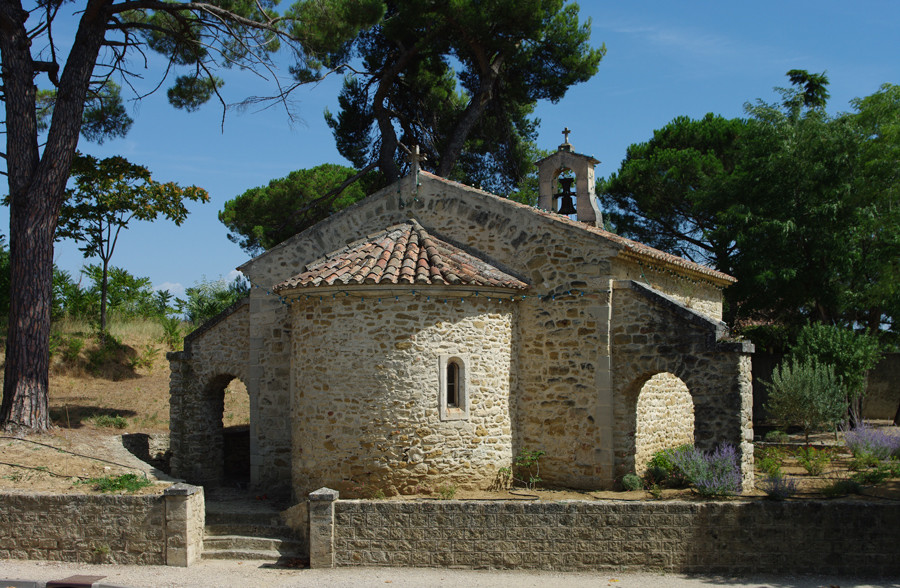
[(415, 156)]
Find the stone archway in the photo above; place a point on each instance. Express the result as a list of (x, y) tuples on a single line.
[(236, 434), (664, 417), (224, 436), (214, 356), (677, 340)]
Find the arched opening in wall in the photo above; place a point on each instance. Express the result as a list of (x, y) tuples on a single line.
[(228, 431), (664, 418), (236, 434)]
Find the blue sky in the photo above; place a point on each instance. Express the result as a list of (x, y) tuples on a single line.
[(664, 59)]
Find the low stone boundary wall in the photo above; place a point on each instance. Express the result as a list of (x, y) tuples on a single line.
[(823, 537), (145, 529)]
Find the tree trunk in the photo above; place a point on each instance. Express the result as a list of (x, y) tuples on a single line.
[(490, 72), (25, 399), (104, 287), (37, 184), (388, 149)]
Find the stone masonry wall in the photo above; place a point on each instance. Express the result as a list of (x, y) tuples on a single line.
[(366, 383), (212, 357), (562, 402), (653, 334), (882, 399), (142, 530), (269, 372), (695, 293), (821, 537), (665, 418)]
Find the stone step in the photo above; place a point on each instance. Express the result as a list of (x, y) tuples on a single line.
[(242, 542), (251, 554), (249, 530), (231, 517)]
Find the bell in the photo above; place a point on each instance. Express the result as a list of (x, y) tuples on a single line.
[(566, 206)]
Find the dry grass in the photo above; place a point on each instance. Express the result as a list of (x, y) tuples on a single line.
[(128, 380), (94, 398)]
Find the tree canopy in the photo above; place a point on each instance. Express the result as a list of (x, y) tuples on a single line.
[(197, 39), (257, 219), (459, 79), (818, 228), (798, 204), (107, 196), (671, 191)]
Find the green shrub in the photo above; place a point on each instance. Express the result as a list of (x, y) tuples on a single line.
[(813, 460), (128, 296), (123, 483), (145, 359), (875, 475), (632, 482), (864, 460), (662, 469), (851, 354), (206, 299), (446, 491), (173, 336), (107, 350), (56, 342), (770, 461), (806, 394), (527, 469), (842, 488), (777, 436), (110, 421), (72, 349), (528, 463)]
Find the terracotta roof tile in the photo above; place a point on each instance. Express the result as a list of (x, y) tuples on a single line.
[(401, 254)]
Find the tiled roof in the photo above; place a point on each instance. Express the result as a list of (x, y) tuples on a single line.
[(627, 245), (401, 254)]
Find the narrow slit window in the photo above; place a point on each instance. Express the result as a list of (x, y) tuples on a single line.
[(453, 401), (452, 384)]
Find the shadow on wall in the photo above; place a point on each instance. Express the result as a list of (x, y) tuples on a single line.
[(151, 449), (236, 459)]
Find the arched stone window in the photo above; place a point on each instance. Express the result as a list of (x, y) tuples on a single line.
[(452, 398), (452, 376)]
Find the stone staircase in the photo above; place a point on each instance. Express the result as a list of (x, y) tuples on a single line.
[(242, 528)]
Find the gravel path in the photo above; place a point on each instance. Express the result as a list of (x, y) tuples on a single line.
[(248, 574)]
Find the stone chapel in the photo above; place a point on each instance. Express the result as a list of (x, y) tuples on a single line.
[(432, 331)]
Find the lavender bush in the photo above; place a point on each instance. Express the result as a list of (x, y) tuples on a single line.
[(779, 487), (866, 442), (661, 468), (711, 474)]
